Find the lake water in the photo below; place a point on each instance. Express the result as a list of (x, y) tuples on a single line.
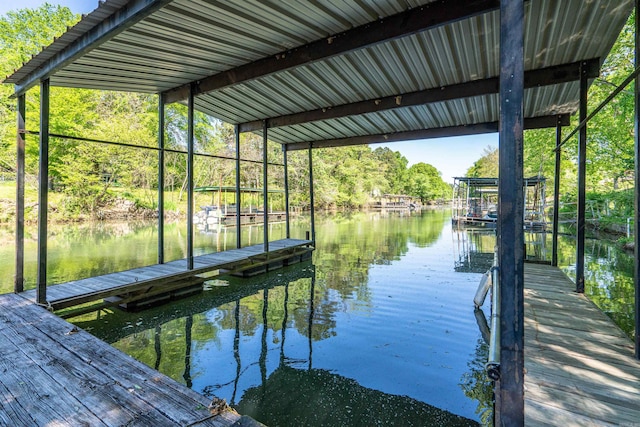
[(379, 329)]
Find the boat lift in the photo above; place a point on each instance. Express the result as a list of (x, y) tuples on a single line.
[(475, 202)]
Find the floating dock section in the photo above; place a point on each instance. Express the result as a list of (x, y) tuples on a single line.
[(154, 283)]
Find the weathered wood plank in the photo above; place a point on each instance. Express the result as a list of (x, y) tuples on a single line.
[(36, 391), (579, 365), (94, 371), (98, 394)]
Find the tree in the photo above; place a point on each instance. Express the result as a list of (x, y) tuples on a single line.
[(486, 166), (394, 166), (22, 34), (424, 181)]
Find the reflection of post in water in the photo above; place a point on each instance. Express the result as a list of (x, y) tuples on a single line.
[(263, 352), (311, 310), (156, 345), (187, 351), (284, 322), (236, 352)]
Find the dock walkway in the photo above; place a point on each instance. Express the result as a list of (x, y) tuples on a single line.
[(580, 369), (149, 281), (52, 373)]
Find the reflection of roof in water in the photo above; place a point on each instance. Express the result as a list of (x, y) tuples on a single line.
[(317, 397), (475, 262)]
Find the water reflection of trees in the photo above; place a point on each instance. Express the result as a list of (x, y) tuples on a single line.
[(609, 283), (608, 278), (350, 243), (477, 386)]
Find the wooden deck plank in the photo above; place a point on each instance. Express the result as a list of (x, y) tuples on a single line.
[(109, 387), (78, 379), (579, 365)]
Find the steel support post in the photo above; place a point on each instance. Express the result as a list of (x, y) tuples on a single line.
[(160, 179), (238, 195), (556, 196), (636, 232), (582, 170), (43, 193), (311, 199), (286, 191), (265, 187), (18, 285), (510, 218), (190, 142)]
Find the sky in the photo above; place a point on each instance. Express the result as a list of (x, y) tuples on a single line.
[(451, 156), (76, 6)]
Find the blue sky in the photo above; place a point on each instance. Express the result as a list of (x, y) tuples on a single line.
[(77, 6), (451, 156)]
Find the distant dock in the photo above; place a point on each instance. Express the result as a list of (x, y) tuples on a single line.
[(579, 366), (52, 373)]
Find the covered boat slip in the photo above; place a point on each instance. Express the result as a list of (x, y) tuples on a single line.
[(475, 202), (328, 74), (221, 212)]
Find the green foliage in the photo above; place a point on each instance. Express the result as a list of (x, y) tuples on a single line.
[(424, 181), (486, 166), (22, 34)]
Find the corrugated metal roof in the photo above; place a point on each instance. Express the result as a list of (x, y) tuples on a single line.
[(189, 40)]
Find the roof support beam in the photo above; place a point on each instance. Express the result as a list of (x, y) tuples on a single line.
[(132, 13), (475, 129), (542, 77), (400, 25)]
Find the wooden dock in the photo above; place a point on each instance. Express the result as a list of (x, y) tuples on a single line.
[(579, 366), (162, 279), (53, 374)]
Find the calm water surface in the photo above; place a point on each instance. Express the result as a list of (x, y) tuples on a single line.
[(378, 330)]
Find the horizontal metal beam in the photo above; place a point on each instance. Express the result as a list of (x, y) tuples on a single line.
[(132, 13), (475, 129), (403, 24), (535, 78)]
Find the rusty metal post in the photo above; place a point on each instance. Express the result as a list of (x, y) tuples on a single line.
[(238, 195), (636, 232), (18, 285), (285, 161), (556, 195), (265, 187), (160, 179), (510, 217), (582, 170), (311, 198), (190, 142), (43, 193)]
